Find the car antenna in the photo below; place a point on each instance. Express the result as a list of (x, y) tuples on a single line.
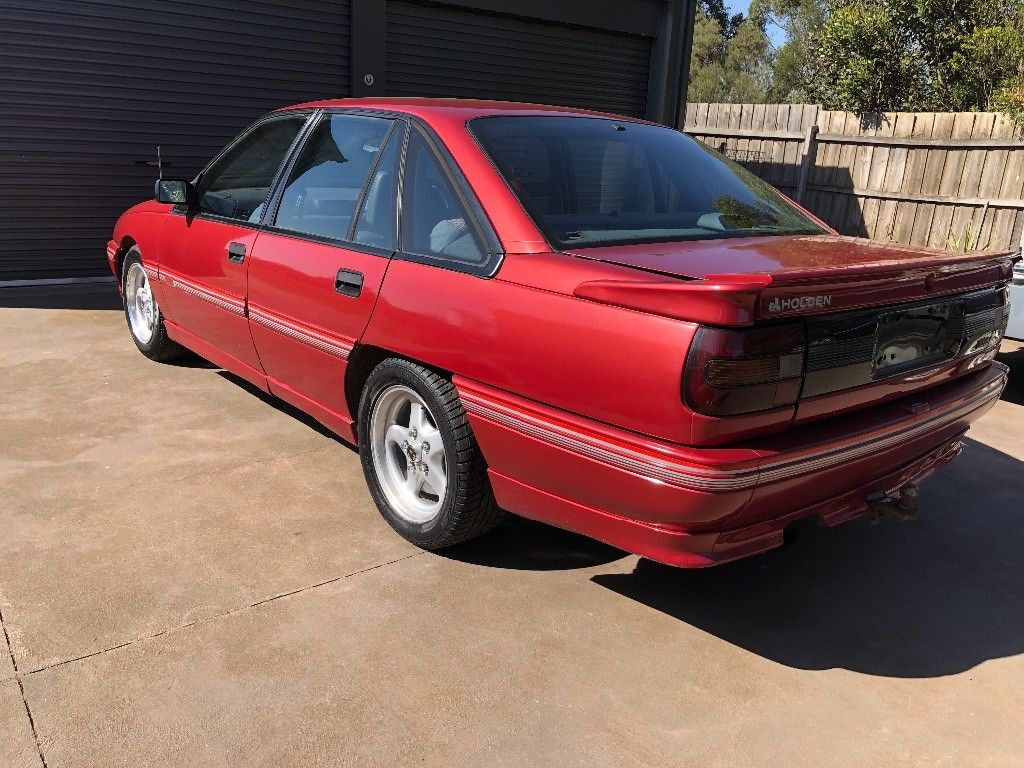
[(159, 164)]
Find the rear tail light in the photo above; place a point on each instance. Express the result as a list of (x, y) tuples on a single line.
[(730, 371)]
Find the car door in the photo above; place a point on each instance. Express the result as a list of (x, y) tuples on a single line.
[(317, 267), (204, 247)]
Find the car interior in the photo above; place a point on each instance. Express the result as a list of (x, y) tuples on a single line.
[(322, 194)]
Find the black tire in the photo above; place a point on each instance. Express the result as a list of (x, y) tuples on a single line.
[(469, 509), (159, 347)]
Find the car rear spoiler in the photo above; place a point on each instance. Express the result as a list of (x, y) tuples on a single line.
[(744, 299)]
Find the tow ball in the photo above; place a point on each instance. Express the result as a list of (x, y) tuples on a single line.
[(902, 507)]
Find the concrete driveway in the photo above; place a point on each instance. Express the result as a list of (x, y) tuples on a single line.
[(193, 574)]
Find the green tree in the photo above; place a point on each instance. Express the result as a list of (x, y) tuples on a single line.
[(877, 55), (863, 60), (731, 59), (988, 59), (716, 11), (749, 61), (799, 21), (707, 64), (734, 59)]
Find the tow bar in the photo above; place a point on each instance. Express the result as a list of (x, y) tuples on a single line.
[(902, 508)]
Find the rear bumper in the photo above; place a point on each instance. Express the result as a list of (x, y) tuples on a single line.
[(696, 507)]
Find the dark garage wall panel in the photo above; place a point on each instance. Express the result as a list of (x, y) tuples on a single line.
[(444, 51), (89, 88)]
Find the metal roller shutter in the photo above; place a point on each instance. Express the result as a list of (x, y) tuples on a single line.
[(90, 87), (443, 51)]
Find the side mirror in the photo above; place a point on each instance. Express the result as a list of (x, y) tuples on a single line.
[(176, 191)]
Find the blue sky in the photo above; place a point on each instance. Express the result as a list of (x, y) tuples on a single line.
[(742, 6)]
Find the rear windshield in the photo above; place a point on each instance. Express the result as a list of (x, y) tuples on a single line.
[(594, 181)]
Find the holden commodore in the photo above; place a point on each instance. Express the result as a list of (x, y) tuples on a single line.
[(588, 320)]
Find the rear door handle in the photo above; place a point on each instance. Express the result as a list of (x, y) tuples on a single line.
[(348, 282), (236, 252)]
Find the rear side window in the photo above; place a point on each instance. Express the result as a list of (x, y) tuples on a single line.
[(329, 173), (596, 181), (435, 221), (237, 183)]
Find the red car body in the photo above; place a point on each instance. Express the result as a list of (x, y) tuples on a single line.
[(570, 363)]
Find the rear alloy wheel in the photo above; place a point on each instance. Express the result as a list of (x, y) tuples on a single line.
[(408, 454), (142, 312), (420, 458)]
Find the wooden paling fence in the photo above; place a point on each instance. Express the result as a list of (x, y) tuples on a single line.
[(944, 180)]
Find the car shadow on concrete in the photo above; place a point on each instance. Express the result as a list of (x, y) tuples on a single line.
[(1012, 354), (928, 598), (191, 360), (279, 404), (521, 544), (516, 543)]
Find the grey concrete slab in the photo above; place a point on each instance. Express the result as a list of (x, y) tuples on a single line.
[(143, 496), (77, 393), (437, 662), (17, 746), (6, 662), (142, 530)]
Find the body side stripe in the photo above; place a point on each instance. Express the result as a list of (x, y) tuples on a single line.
[(225, 301), (704, 478), (332, 346)]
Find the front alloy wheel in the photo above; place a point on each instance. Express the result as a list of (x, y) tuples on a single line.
[(140, 304), (145, 322)]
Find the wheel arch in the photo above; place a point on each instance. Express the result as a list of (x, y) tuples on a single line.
[(361, 362), (126, 244)]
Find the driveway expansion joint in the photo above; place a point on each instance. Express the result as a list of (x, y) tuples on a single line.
[(21, 690), (214, 617)]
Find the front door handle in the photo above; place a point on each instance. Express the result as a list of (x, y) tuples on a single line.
[(236, 252), (348, 282)]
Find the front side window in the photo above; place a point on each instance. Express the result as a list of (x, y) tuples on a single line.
[(237, 184), (435, 221), (595, 181), (330, 171)]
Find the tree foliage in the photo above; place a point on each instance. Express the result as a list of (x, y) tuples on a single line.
[(864, 55), (716, 11), (734, 59), (941, 55)]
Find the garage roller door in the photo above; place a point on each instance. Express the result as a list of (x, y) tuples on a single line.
[(444, 51), (90, 88)]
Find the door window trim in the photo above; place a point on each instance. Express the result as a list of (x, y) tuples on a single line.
[(277, 193), (471, 203), (196, 213), (478, 219), (350, 235)]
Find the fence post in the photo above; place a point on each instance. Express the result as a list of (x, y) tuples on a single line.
[(810, 150)]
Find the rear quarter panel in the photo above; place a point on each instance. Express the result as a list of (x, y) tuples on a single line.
[(610, 364)]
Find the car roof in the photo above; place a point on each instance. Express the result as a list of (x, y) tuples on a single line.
[(464, 108)]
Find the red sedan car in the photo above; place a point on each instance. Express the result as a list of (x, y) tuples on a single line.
[(584, 319)]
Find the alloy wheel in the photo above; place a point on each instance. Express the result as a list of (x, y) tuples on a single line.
[(142, 308), (408, 454)]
